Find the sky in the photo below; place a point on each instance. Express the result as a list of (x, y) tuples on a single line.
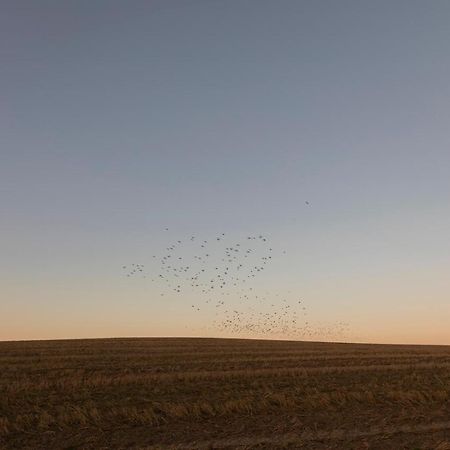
[(119, 119)]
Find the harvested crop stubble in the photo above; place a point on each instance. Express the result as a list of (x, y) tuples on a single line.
[(195, 393)]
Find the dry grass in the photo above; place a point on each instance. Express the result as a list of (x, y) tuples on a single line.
[(194, 393)]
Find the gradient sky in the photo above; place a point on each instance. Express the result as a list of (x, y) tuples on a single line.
[(118, 119)]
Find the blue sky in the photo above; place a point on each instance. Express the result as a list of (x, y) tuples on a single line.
[(118, 119)]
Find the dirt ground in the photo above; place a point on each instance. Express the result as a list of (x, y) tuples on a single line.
[(173, 393)]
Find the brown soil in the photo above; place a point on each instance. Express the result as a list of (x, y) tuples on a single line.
[(216, 393)]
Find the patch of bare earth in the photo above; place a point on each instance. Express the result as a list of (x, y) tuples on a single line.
[(218, 393)]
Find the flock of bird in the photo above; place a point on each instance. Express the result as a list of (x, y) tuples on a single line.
[(222, 274)]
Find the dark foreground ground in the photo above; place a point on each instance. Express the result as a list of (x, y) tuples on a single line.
[(216, 393)]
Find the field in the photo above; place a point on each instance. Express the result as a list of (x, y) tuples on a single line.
[(216, 393)]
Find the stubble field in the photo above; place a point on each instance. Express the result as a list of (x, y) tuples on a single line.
[(167, 393)]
